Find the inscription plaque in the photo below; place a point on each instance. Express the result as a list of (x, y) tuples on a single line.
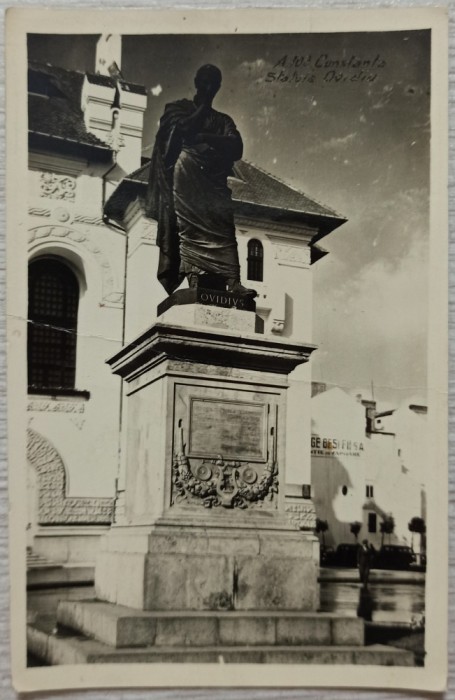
[(210, 297), (233, 429)]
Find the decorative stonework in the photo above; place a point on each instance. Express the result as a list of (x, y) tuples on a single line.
[(39, 211), (93, 220), (54, 508), (216, 482), (61, 214), (56, 406), (57, 186), (147, 231), (39, 233), (301, 514), (77, 421), (141, 233), (277, 326), (115, 140), (292, 255)]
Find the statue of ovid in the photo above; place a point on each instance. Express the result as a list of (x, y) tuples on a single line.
[(188, 194)]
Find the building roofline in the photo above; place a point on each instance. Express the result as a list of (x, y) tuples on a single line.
[(325, 222), (331, 213), (95, 78), (40, 139)]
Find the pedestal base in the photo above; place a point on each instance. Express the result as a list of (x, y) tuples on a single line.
[(208, 569)]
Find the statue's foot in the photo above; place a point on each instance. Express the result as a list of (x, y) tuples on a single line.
[(236, 287), (193, 280)]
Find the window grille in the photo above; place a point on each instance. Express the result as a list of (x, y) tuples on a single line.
[(255, 260), (52, 325)]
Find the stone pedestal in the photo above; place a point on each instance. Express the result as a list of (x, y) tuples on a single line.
[(209, 568), (205, 525), (206, 565)]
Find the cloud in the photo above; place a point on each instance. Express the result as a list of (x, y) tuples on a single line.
[(157, 90), (390, 301), (371, 297), (256, 68), (340, 142), (334, 143), (393, 226), (373, 326)]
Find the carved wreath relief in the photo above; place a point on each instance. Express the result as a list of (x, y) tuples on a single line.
[(219, 482), (57, 186)]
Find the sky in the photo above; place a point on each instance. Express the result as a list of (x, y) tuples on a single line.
[(354, 137)]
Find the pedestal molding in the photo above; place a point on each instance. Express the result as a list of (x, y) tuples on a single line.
[(163, 341)]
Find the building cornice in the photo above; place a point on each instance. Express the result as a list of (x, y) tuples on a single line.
[(291, 231)]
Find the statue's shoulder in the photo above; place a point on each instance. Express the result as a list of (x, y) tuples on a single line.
[(223, 116), (226, 123)]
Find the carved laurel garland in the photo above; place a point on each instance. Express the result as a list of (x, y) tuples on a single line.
[(80, 238), (216, 482), (54, 508)]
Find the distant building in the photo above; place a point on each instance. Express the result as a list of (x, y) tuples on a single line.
[(367, 465), (93, 287)]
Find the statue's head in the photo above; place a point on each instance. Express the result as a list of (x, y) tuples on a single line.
[(208, 79)]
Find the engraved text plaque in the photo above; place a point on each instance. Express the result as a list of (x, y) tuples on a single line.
[(233, 429)]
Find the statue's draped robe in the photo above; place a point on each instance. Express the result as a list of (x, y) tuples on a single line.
[(189, 197)]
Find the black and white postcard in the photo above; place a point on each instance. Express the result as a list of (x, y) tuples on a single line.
[(227, 348)]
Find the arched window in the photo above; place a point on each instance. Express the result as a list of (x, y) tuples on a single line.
[(53, 299), (255, 260)]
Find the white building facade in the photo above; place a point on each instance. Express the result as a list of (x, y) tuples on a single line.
[(368, 466)]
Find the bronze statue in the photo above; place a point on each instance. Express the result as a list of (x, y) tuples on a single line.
[(195, 149)]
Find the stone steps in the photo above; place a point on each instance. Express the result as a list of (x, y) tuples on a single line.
[(60, 575), (91, 631), (68, 650), (119, 626)]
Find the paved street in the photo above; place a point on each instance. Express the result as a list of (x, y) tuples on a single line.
[(343, 574), (397, 596)]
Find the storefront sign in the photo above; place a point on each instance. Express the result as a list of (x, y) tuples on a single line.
[(335, 447)]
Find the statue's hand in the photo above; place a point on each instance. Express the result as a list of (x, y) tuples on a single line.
[(200, 138), (195, 139)]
